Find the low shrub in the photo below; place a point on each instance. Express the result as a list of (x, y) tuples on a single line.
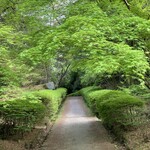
[(85, 91), (52, 99), (121, 112), (62, 92), (118, 110), (135, 90), (10, 92), (146, 98), (77, 93), (105, 95), (95, 96), (20, 114)]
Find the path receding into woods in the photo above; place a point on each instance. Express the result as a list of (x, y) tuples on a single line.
[(77, 129)]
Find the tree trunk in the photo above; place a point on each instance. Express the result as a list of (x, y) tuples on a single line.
[(127, 4), (47, 72), (62, 75)]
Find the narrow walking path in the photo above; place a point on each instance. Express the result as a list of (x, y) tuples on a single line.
[(77, 129)]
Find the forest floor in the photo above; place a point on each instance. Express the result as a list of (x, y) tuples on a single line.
[(77, 129)]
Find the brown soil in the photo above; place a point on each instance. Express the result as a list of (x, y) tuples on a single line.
[(138, 139), (30, 140)]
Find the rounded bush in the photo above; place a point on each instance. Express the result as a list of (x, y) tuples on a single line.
[(122, 111), (85, 91), (95, 96), (105, 95), (21, 114), (52, 99), (117, 109)]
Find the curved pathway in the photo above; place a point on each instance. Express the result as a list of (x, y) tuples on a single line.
[(77, 129)]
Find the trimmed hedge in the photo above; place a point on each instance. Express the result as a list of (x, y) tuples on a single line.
[(94, 97), (118, 110), (105, 95), (122, 112), (21, 114), (86, 91), (146, 98), (52, 99)]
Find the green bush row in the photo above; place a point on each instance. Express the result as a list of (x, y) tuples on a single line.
[(21, 114), (52, 99), (118, 110), (86, 91), (146, 98)]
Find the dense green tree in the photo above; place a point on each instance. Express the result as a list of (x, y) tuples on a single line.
[(96, 44), (53, 39)]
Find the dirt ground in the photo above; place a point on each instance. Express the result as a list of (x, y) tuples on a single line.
[(30, 140), (138, 139)]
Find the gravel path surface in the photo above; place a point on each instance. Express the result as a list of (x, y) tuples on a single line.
[(77, 129)]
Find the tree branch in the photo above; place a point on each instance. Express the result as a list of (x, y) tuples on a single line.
[(127, 4), (63, 74)]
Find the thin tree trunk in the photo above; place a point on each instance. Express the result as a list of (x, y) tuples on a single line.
[(127, 4), (63, 74), (55, 17), (47, 75)]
